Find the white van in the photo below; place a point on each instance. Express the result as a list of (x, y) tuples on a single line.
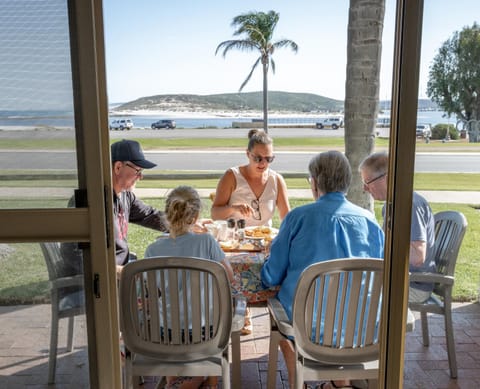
[(121, 124), (334, 122)]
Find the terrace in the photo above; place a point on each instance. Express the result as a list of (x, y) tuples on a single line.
[(24, 344)]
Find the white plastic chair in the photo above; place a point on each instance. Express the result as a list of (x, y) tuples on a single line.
[(450, 228), (176, 318), (336, 314), (67, 300)]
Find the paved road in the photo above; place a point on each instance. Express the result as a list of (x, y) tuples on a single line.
[(22, 133), (226, 133), (294, 161)]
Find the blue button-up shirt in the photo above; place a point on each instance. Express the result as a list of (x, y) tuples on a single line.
[(330, 228)]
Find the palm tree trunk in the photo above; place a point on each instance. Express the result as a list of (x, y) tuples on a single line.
[(265, 97), (364, 49)]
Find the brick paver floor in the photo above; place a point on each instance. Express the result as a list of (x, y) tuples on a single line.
[(24, 338)]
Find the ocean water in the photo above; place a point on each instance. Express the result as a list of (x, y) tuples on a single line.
[(65, 119), (37, 118)]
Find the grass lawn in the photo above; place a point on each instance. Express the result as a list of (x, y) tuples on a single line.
[(158, 143), (24, 276), (423, 181)]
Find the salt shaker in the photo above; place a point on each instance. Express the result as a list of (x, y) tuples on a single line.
[(241, 230), (231, 229)]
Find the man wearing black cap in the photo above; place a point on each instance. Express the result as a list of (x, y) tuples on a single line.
[(128, 163)]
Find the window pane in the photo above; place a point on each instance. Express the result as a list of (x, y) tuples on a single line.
[(38, 166), (26, 314)]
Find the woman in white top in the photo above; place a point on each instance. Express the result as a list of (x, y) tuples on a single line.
[(252, 191)]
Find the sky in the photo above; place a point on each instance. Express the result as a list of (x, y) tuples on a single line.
[(35, 66), (157, 47)]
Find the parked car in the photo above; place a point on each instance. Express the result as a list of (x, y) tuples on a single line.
[(333, 122), (121, 124), (424, 130), (165, 123)]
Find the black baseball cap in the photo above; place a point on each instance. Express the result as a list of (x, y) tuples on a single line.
[(130, 150)]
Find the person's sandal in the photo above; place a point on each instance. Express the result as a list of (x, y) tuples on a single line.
[(248, 325)]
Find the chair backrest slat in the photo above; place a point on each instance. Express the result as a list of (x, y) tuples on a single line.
[(341, 314), (365, 293), (329, 324), (196, 306), (216, 304), (53, 259), (185, 312), (310, 308), (347, 299), (150, 314), (173, 307), (450, 228), (139, 285), (354, 284), (162, 285), (371, 327)]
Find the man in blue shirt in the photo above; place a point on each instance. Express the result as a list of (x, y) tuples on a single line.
[(330, 228)]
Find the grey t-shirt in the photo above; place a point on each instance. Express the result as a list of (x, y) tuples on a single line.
[(422, 229), (186, 245)]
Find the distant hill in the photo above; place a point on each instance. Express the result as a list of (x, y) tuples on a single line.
[(252, 101), (423, 105)]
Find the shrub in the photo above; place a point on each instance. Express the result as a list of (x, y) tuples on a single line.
[(440, 131)]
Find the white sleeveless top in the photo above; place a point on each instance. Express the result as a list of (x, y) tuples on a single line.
[(267, 202)]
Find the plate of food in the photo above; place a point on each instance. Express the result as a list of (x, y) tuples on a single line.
[(229, 246), (261, 232)]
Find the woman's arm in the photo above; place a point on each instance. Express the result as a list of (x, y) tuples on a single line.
[(220, 208), (283, 204)]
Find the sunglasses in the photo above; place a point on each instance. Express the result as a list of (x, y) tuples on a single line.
[(256, 210), (258, 158)]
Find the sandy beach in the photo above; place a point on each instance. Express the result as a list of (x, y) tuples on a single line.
[(218, 114)]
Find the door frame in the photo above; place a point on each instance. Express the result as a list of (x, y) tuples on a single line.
[(408, 34), (91, 222)]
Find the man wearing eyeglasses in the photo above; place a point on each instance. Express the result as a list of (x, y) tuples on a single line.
[(128, 162), (373, 170)]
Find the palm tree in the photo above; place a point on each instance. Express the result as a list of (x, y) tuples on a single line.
[(364, 48), (258, 28)]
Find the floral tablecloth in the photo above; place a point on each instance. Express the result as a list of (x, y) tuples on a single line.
[(246, 268)]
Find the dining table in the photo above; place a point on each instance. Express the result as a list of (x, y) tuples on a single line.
[(247, 284), (247, 266)]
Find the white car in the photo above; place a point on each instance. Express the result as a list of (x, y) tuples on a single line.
[(424, 130), (121, 124), (334, 122)]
